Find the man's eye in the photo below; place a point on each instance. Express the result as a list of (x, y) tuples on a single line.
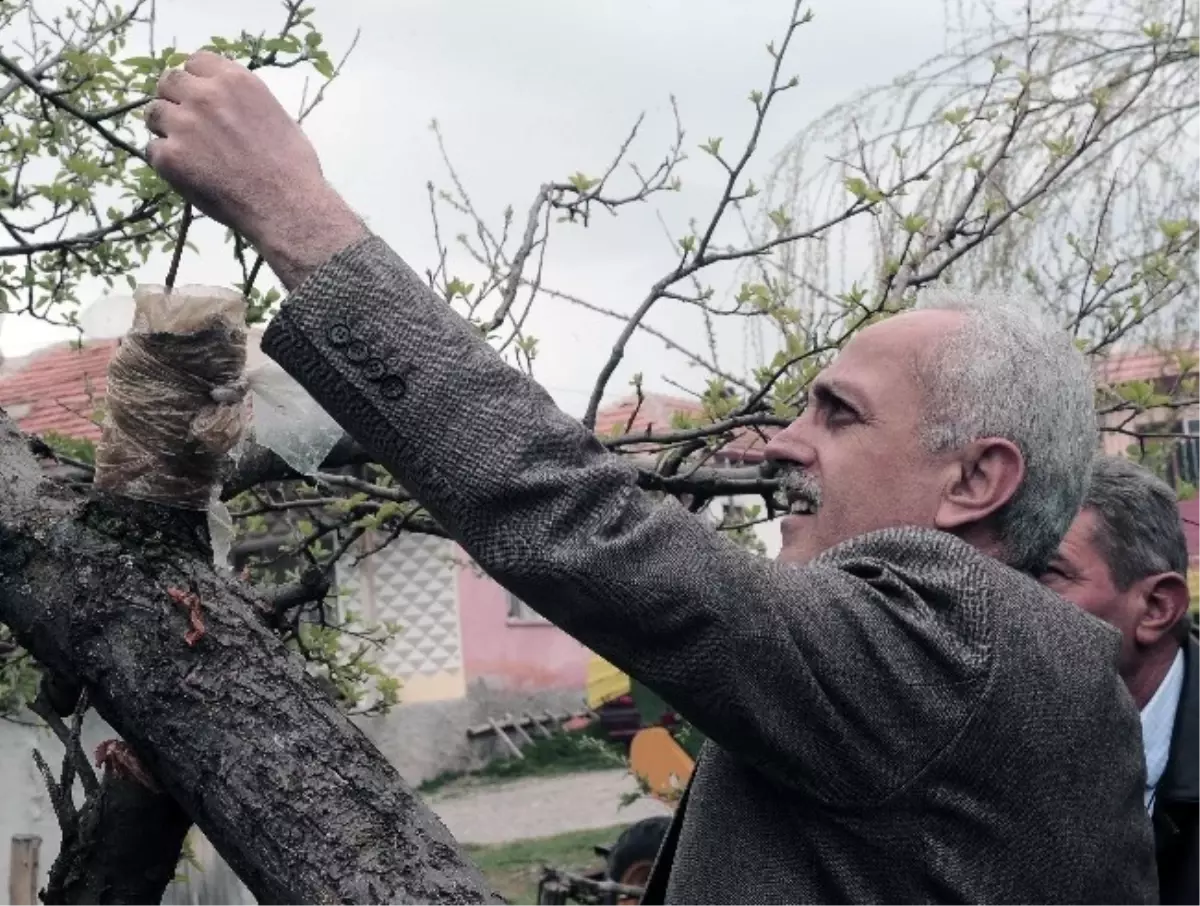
[(838, 412)]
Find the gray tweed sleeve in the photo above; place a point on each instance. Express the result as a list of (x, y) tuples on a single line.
[(844, 677)]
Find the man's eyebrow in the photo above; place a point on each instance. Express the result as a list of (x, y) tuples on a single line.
[(832, 390)]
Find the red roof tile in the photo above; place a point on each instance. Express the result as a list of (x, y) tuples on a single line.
[(654, 414), (58, 389), (1142, 365)]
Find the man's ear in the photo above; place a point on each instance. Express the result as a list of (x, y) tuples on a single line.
[(984, 476), (1164, 600)]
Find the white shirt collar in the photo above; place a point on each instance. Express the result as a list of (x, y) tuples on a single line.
[(1158, 724)]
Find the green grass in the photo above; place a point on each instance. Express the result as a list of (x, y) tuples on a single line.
[(515, 868), (562, 753)]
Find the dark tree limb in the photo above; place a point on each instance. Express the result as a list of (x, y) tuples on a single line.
[(312, 586), (48, 704), (293, 795), (124, 844), (123, 847)]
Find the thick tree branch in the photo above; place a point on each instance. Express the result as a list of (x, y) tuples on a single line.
[(48, 704), (231, 727), (147, 210), (259, 465)]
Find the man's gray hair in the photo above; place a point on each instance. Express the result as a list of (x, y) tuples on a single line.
[(1139, 531), (1006, 373)]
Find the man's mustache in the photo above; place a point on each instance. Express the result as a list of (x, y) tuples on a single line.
[(795, 483)]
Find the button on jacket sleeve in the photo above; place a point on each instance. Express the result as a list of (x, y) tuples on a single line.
[(843, 678)]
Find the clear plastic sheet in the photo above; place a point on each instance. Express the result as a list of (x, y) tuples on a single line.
[(289, 421)]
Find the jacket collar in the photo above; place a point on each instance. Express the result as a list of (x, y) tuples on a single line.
[(1181, 780)]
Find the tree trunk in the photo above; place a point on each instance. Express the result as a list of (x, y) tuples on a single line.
[(287, 789)]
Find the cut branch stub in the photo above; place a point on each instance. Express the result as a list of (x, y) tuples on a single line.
[(123, 848)]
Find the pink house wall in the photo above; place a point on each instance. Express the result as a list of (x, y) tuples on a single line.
[(517, 656)]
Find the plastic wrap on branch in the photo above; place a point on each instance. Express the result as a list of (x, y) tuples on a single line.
[(284, 417), (183, 375), (175, 400)]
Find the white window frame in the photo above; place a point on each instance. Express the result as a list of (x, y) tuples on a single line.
[(1190, 427), (521, 614)]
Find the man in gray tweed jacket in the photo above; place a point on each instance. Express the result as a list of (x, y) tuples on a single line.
[(897, 712)]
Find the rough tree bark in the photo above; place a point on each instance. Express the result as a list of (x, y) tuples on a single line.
[(123, 847), (288, 790)]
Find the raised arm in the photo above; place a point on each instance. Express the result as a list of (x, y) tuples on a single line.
[(797, 670), (844, 677)]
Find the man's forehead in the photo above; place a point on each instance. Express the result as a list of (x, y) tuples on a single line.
[(887, 354), (1081, 536), (907, 332)]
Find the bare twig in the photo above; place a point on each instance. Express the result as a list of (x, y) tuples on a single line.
[(180, 245)]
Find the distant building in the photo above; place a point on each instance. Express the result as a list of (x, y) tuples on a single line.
[(1182, 466)]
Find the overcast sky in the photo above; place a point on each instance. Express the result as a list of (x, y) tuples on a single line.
[(529, 91)]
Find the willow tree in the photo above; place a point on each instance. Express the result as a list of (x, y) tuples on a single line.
[(1061, 136)]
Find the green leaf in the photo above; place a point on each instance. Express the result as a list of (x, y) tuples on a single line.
[(780, 218), (957, 116), (581, 183), (1173, 229), (1060, 147), (457, 287), (1155, 31), (324, 66), (856, 186), (141, 64), (914, 223)]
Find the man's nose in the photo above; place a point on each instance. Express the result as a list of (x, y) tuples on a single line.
[(790, 445)]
